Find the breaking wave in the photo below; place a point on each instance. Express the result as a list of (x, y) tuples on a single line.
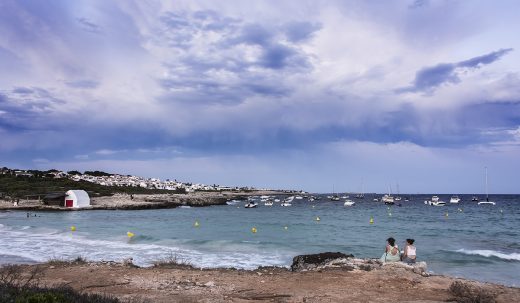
[(490, 253)]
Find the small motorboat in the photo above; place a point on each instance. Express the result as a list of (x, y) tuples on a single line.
[(486, 202), (251, 205), (388, 200), (287, 201), (435, 201), (474, 199), (268, 203), (349, 203), (454, 199)]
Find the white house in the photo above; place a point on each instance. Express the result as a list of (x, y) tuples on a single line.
[(77, 198)]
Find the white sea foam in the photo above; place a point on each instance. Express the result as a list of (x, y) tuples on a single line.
[(490, 253), (43, 244)]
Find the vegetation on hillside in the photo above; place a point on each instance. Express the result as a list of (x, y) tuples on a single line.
[(41, 183)]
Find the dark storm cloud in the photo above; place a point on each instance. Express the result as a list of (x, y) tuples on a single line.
[(429, 78), (194, 74), (484, 59), (29, 108)]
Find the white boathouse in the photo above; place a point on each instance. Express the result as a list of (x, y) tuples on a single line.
[(77, 199)]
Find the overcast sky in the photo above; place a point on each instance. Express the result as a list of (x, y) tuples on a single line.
[(280, 94)]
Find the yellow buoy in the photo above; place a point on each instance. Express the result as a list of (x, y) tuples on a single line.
[(318, 219), (460, 209), (313, 206), (389, 214), (253, 230), (196, 224), (73, 228), (371, 220), (285, 227), (130, 234), (446, 215)]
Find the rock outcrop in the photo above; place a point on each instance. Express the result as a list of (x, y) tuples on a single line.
[(329, 260), (316, 261)]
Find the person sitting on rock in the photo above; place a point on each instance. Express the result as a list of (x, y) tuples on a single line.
[(391, 252), (409, 255)]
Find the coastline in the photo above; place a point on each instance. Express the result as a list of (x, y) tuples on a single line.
[(182, 283), (143, 201)]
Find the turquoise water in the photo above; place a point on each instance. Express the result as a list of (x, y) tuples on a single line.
[(477, 242)]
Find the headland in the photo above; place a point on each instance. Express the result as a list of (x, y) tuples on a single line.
[(123, 201)]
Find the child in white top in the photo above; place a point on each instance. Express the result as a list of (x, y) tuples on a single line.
[(409, 254)]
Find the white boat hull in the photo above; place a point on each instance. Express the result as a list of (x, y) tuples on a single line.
[(349, 203), (486, 202), (435, 203)]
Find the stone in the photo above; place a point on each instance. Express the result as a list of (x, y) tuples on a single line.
[(313, 261)]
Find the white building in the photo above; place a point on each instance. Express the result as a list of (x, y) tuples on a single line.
[(77, 199)]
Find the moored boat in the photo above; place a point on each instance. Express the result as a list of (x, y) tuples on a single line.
[(349, 202), (388, 200), (435, 201), (454, 199), (486, 202), (251, 205)]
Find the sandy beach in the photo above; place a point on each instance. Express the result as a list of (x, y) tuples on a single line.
[(343, 284)]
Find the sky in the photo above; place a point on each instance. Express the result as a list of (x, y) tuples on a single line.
[(311, 95)]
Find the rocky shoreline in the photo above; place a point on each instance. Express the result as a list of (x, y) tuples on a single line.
[(327, 277), (143, 201)]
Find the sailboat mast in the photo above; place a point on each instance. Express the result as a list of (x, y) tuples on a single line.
[(487, 197)]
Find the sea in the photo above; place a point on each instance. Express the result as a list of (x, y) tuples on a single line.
[(480, 242)]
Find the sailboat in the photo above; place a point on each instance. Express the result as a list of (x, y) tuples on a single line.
[(388, 199), (397, 198), (487, 196), (361, 195), (334, 197)]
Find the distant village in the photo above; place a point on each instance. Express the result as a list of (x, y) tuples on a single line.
[(106, 179)]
